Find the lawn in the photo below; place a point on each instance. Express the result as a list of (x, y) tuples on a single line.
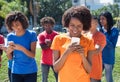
[(4, 77)]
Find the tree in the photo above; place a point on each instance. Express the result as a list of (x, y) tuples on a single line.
[(54, 8), (114, 9), (7, 7)]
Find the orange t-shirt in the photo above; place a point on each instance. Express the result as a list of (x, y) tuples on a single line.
[(73, 70), (96, 71)]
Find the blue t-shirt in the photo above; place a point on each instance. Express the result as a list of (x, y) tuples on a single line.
[(108, 53), (22, 64), (10, 64)]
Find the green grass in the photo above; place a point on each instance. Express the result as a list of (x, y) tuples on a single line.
[(116, 70), (4, 76)]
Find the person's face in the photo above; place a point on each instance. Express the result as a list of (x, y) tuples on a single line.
[(94, 24), (48, 27), (75, 27), (17, 26), (103, 21)]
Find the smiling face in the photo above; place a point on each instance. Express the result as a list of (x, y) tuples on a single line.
[(75, 27), (103, 21), (17, 27)]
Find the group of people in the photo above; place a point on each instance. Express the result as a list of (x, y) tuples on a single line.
[(70, 62)]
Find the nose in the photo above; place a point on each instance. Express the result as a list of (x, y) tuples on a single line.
[(75, 29)]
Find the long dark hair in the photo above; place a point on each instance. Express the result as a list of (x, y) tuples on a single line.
[(109, 18)]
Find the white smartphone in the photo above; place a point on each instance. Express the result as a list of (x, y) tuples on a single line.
[(75, 39), (47, 40)]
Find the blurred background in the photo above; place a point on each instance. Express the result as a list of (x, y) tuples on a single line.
[(36, 9)]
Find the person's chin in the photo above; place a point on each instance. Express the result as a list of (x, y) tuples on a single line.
[(75, 35)]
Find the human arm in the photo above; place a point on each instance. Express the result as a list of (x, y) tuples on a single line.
[(43, 42), (59, 61), (112, 38), (99, 44), (9, 51), (1, 44), (46, 45), (1, 50), (30, 53), (85, 61)]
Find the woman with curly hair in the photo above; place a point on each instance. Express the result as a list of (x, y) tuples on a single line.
[(21, 48), (70, 59)]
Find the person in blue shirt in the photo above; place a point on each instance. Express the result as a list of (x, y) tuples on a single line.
[(21, 48), (108, 53)]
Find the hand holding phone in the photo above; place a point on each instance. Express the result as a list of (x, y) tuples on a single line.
[(75, 40), (11, 43)]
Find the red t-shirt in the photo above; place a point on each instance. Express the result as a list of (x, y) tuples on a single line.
[(1, 42), (46, 53)]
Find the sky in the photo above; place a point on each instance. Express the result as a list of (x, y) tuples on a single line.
[(106, 1)]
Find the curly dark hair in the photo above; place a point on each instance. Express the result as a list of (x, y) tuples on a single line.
[(16, 16), (81, 13), (47, 20)]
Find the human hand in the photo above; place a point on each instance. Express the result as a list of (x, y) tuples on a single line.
[(75, 39), (4, 48), (48, 42), (11, 43), (72, 47), (18, 47), (79, 49), (9, 49), (1, 46)]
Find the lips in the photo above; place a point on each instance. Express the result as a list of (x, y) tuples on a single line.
[(74, 32)]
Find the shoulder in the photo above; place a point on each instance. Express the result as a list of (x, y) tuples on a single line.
[(100, 34), (62, 37), (30, 32), (11, 34), (86, 41), (55, 32), (1, 36), (1, 39), (86, 38), (114, 31), (42, 34)]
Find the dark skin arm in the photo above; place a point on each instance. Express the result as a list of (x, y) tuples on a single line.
[(46, 45), (58, 62), (2, 48), (1, 52), (86, 63), (94, 52)]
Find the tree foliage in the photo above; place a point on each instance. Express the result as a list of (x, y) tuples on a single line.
[(53, 8), (114, 9), (6, 6), (14, 5)]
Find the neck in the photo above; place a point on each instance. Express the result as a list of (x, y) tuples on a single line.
[(49, 32), (94, 31), (105, 27), (73, 36), (20, 33)]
